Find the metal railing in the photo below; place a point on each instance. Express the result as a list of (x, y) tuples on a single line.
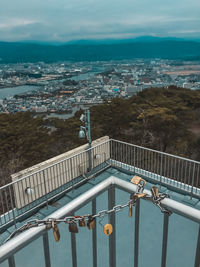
[(21, 197), (163, 168), (9, 249)]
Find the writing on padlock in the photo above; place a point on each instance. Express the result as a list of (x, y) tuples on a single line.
[(73, 227), (108, 229), (91, 223)]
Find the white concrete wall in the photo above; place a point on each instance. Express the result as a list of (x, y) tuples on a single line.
[(53, 173)]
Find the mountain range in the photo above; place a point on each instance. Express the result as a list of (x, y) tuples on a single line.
[(93, 50)]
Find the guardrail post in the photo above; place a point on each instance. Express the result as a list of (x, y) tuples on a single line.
[(73, 246), (197, 257), (136, 241), (112, 237), (94, 236), (11, 261), (193, 174), (161, 166), (165, 238), (46, 250)]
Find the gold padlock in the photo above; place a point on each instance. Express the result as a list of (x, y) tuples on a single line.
[(73, 227), (141, 195), (81, 222), (130, 210), (137, 180), (155, 190), (91, 223), (108, 229), (56, 232)]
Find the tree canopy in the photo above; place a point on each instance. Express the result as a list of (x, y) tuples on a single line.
[(159, 118)]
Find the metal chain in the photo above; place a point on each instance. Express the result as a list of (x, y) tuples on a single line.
[(50, 222), (156, 199)]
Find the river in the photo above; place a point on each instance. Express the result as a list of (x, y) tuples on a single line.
[(11, 91)]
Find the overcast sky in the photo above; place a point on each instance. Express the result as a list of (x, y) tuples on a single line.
[(65, 20)]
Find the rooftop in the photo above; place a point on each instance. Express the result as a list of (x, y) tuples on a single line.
[(66, 186)]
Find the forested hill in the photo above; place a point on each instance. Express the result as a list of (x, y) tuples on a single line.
[(170, 49), (159, 118)]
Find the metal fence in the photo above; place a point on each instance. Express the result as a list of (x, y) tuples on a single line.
[(10, 249), (165, 169), (24, 195), (21, 197)]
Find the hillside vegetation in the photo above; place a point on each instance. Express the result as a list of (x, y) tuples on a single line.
[(159, 118), (169, 49)]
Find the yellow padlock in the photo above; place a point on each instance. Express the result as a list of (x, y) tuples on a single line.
[(56, 232), (137, 180), (130, 210), (141, 195), (108, 229), (155, 190)]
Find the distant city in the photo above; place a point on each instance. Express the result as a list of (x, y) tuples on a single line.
[(59, 89)]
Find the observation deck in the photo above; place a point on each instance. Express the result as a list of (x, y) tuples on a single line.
[(97, 182)]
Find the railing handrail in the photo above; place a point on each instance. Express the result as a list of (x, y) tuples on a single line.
[(88, 149), (157, 151), (25, 238), (52, 165)]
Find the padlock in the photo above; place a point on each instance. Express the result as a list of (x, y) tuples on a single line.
[(130, 210), (108, 229), (140, 195), (91, 223), (81, 222), (73, 227), (137, 180), (136, 196), (155, 191), (56, 232)]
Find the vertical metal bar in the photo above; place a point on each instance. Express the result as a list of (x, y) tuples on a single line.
[(136, 241), (178, 173), (46, 250), (94, 236), (161, 168), (193, 174), (197, 185), (111, 151), (134, 158), (73, 245), (188, 182), (197, 257), (11, 261), (165, 238), (112, 237)]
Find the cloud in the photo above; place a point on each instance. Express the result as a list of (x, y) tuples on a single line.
[(63, 20)]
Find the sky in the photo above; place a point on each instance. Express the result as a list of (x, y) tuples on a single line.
[(66, 20)]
